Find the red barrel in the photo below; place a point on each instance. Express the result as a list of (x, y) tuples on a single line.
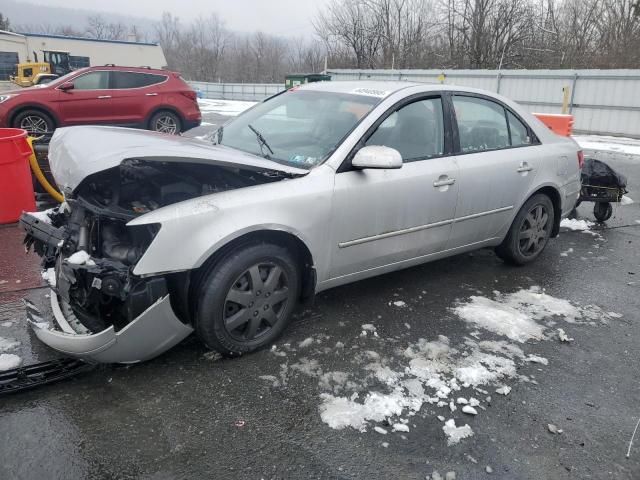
[(16, 186)]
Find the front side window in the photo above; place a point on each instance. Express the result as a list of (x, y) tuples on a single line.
[(121, 80), (299, 128), (92, 81), (415, 130), (482, 124)]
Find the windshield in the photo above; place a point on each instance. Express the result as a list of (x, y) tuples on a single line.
[(298, 128)]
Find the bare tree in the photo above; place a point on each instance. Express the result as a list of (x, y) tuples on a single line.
[(354, 24)]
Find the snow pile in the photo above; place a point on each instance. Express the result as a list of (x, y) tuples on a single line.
[(230, 108), (576, 225), (499, 317), (9, 361), (455, 434), (49, 276), (80, 258), (628, 146)]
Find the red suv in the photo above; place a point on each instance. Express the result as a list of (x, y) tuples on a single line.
[(134, 97)]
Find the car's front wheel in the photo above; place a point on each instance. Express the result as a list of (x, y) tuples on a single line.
[(35, 122), (529, 232), (247, 299), (166, 122)]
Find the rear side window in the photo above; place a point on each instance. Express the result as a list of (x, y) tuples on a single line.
[(92, 81), (482, 124), (416, 130), (121, 80), (519, 134)]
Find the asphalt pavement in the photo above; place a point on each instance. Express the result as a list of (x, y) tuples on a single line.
[(190, 414)]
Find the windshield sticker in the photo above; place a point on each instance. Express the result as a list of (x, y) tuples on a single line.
[(372, 92)]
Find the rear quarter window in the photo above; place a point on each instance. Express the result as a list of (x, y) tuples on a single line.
[(121, 80)]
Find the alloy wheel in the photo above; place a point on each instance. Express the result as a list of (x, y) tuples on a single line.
[(534, 231), (34, 125), (256, 301), (166, 124)]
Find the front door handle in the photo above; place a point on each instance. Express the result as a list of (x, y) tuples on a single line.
[(524, 167), (443, 181), (103, 97), (151, 94)]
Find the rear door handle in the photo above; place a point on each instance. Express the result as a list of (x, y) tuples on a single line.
[(151, 94), (444, 181), (102, 97), (524, 167)]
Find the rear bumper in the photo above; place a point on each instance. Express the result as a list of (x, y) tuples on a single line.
[(153, 332)]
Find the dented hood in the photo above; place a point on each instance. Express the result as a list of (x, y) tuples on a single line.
[(77, 152)]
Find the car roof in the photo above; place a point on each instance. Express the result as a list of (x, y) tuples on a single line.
[(383, 88), (358, 86), (121, 68)]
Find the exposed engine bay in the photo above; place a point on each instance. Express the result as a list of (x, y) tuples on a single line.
[(89, 252)]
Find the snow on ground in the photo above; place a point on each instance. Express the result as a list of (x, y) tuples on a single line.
[(629, 146), (625, 200), (9, 361), (383, 390), (230, 108), (8, 344), (576, 225)]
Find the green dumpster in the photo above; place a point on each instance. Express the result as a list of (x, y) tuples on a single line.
[(296, 79)]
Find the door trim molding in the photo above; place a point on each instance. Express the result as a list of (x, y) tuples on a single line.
[(418, 228)]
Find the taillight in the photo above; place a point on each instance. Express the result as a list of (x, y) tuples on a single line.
[(190, 94), (580, 159)]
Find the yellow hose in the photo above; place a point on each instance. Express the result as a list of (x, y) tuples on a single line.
[(35, 168)]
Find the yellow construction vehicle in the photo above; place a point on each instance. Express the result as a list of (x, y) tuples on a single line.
[(55, 64)]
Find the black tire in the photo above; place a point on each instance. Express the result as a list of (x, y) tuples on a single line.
[(529, 232), (166, 122), (36, 122), (602, 211), (253, 321)]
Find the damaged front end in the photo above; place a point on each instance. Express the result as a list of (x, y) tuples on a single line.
[(103, 312)]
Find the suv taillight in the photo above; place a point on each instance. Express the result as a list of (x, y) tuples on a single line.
[(190, 94), (580, 159)]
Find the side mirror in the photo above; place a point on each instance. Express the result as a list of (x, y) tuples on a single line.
[(377, 156), (67, 86)]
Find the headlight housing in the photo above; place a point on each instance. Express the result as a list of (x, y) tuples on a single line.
[(7, 96)]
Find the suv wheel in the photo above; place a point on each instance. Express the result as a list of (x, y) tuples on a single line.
[(247, 299), (34, 122), (166, 122), (529, 232)]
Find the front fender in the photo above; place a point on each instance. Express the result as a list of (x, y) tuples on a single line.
[(191, 231)]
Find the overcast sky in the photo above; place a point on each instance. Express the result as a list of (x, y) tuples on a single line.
[(286, 17)]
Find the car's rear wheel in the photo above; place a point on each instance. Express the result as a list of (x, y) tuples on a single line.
[(35, 122), (166, 122), (247, 299), (529, 232)]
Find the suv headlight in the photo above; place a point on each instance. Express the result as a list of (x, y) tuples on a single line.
[(7, 96)]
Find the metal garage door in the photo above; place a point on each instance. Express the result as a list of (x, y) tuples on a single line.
[(8, 61)]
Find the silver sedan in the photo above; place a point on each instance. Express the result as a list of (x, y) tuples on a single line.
[(316, 187)]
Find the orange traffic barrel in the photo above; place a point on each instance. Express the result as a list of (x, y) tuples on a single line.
[(560, 123), (16, 186)]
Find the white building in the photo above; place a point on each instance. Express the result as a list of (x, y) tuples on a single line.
[(20, 47)]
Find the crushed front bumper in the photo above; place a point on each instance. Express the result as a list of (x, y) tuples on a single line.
[(153, 332)]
